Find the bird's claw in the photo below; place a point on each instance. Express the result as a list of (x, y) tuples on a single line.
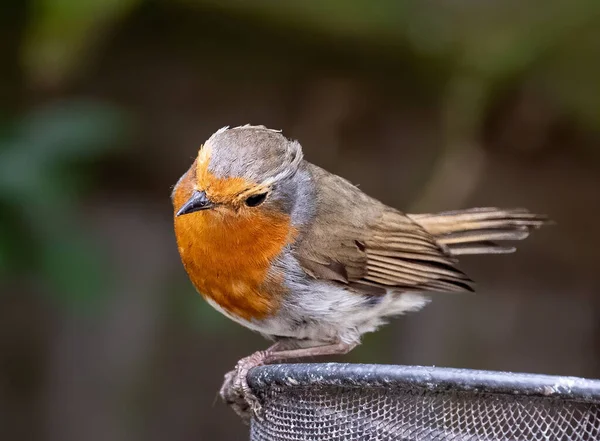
[(234, 398), (236, 392)]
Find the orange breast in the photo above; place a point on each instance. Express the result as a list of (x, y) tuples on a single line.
[(228, 254)]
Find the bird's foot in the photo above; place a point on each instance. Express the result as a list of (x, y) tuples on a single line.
[(235, 390)]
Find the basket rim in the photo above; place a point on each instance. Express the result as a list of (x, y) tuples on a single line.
[(426, 378)]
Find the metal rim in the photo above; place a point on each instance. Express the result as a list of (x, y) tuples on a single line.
[(433, 379)]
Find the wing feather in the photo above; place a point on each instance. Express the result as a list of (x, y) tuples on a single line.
[(358, 241)]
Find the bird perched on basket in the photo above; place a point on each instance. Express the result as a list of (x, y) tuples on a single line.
[(304, 257)]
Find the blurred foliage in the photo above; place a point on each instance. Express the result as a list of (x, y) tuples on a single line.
[(63, 33), (490, 41), (42, 177)]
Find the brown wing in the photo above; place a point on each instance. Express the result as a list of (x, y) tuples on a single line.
[(359, 241)]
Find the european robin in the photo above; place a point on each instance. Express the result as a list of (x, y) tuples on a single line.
[(304, 257)]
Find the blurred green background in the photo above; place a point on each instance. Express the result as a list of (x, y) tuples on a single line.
[(427, 105)]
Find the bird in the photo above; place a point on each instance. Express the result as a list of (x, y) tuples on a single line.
[(308, 260)]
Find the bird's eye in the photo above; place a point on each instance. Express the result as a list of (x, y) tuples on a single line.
[(256, 200)]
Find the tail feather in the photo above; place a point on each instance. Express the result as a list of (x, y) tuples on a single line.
[(474, 231)]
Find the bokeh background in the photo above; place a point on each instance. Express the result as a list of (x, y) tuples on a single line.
[(427, 105)]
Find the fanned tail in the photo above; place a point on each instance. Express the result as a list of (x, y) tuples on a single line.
[(476, 230)]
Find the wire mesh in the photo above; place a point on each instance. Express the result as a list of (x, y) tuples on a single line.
[(328, 402)]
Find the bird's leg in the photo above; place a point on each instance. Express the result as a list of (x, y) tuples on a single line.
[(339, 348), (235, 390)]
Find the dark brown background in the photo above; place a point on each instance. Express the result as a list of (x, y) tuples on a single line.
[(426, 105)]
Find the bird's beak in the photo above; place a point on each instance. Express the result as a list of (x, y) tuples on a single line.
[(198, 201)]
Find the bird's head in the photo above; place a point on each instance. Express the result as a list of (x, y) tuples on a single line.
[(241, 171)]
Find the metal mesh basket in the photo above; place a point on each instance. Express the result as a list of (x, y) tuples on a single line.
[(348, 402)]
